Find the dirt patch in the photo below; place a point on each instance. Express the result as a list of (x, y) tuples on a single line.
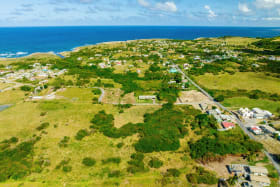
[(128, 99), (112, 96), (220, 167), (194, 98)]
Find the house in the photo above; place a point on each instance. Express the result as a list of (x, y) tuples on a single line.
[(147, 97), (173, 70), (226, 117), (261, 114), (258, 171), (268, 129), (228, 125), (259, 180), (187, 66), (237, 169), (256, 130), (245, 113)]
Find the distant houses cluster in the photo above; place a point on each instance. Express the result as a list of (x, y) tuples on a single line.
[(37, 72), (225, 120), (255, 113)]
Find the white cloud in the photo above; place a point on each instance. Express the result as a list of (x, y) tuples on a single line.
[(167, 6), (267, 4), (243, 8), (272, 19), (144, 3), (211, 13)]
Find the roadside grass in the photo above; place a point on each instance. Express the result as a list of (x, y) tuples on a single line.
[(240, 80), (78, 94), (239, 102)]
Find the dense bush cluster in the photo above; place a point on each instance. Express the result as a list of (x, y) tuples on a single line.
[(136, 163), (222, 143), (160, 131), (16, 162)]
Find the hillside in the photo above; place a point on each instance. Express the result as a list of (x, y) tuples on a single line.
[(120, 114)]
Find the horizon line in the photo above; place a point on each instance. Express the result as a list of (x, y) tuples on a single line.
[(29, 26)]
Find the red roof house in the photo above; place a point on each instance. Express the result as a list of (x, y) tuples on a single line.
[(228, 125)]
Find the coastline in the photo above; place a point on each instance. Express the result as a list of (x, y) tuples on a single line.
[(75, 49)]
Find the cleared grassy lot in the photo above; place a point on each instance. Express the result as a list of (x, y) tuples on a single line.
[(240, 80)]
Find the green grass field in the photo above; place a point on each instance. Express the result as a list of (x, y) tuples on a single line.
[(68, 116), (240, 80), (251, 103)]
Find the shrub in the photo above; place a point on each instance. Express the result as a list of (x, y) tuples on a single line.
[(43, 126), (81, 134), (64, 141), (115, 160), (96, 91), (43, 113), (26, 88), (201, 176), (63, 163), (67, 169), (173, 172), (116, 173), (120, 145), (155, 163), (89, 161)]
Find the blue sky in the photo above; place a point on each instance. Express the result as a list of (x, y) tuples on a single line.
[(140, 12)]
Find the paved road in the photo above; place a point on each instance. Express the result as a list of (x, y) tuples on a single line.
[(102, 94), (238, 120), (17, 85)]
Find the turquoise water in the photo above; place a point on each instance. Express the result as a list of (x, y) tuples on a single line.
[(3, 107), (22, 41)]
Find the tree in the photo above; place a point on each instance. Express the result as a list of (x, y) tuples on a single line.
[(26, 88), (220, 98)]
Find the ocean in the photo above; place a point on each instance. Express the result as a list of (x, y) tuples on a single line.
[(22, 41)]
